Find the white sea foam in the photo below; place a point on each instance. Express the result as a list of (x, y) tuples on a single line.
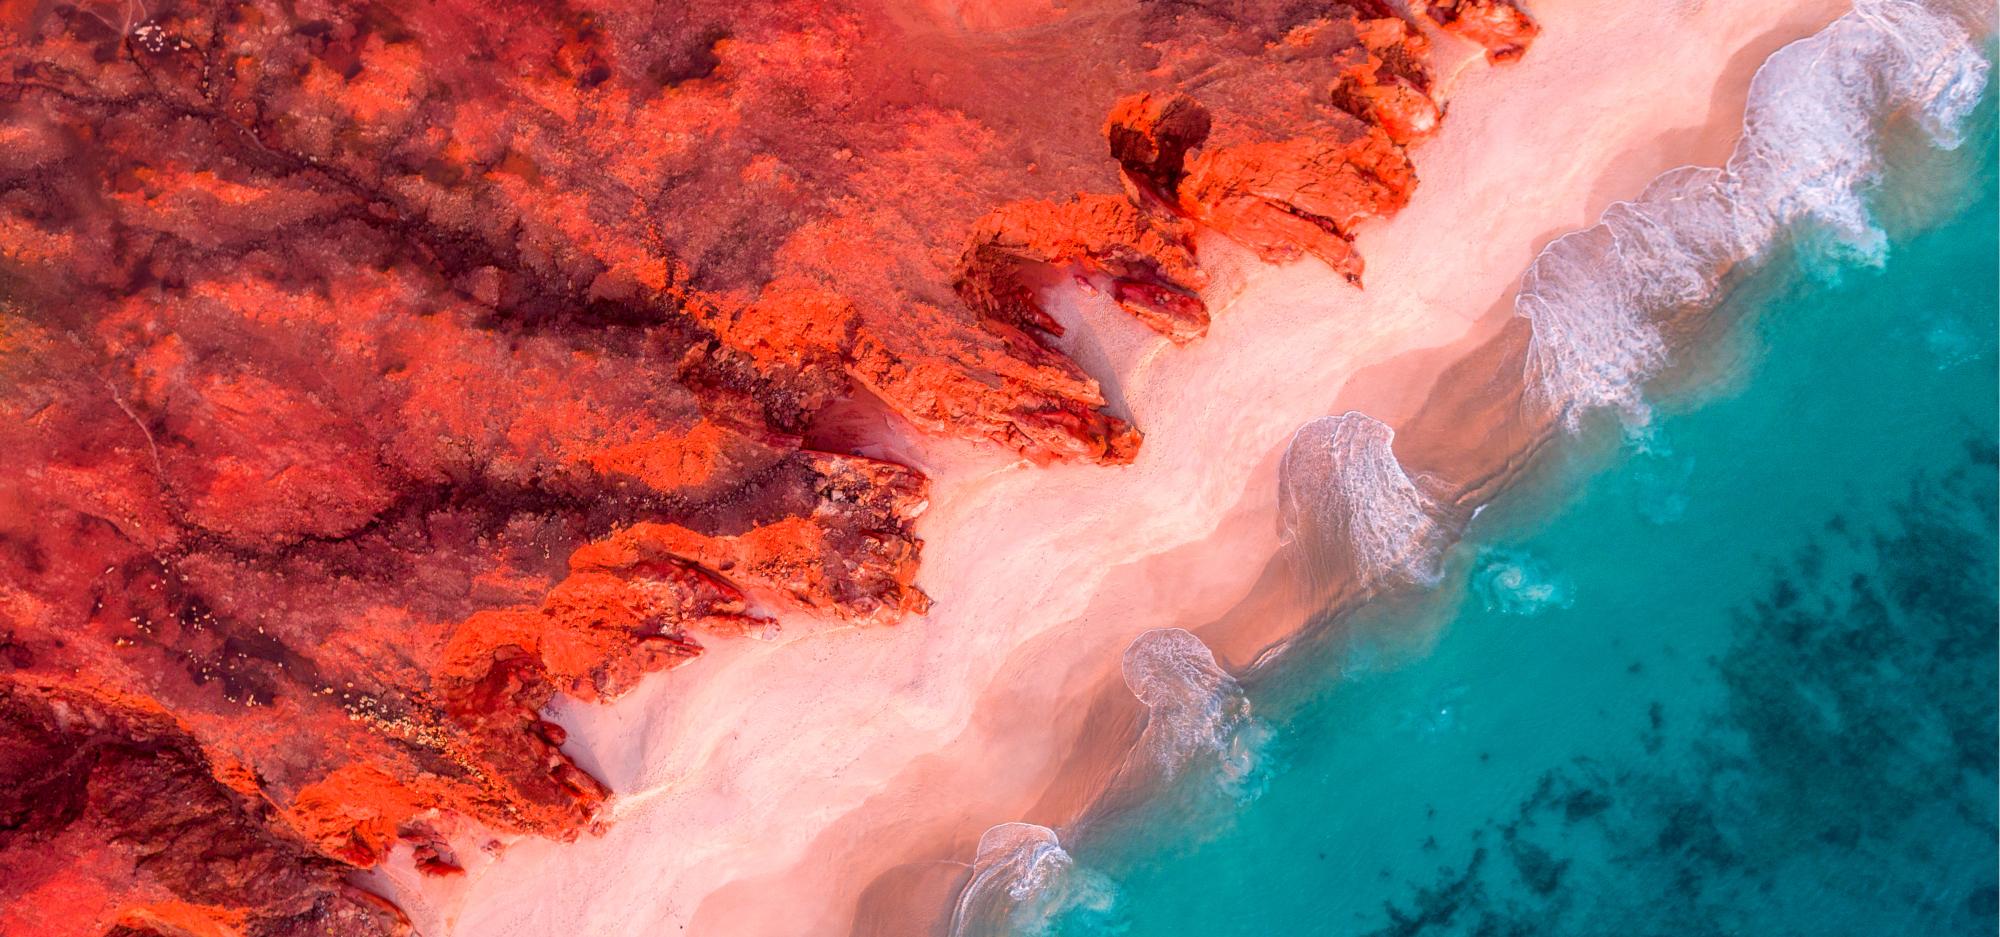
[(1512, 582), (1810, 151), (1016, 863), (1023, 881), (1346, 504), (1194, 708), (1025, 885)]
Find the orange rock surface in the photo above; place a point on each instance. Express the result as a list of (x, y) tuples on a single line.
[(1501, 26), (370, 374), (1148, 257)]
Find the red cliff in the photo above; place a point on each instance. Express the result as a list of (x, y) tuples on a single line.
[(370, 374)]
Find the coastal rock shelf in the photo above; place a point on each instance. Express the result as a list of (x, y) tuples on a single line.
[(374, 373)]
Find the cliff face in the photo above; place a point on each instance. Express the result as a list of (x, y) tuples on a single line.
[(370, 373)]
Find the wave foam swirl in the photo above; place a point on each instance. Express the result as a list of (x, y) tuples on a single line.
[(1512, 582)]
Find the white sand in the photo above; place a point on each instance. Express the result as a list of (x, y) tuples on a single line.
[(763, 785)]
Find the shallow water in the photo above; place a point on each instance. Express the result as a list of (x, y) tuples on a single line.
[(1733, 673)]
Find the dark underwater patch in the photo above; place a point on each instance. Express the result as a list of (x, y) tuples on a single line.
[(1846, 783)]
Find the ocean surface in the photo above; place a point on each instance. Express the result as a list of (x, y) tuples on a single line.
[(1729, 669)]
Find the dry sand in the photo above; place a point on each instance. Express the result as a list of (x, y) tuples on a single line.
[(761, 789)]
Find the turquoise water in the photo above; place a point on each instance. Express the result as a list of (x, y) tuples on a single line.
[(1732, 674)]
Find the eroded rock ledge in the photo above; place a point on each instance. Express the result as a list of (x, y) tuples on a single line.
[(370, 373)]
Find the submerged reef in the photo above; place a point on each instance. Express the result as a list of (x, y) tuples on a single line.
[(1850, 764), (375, 372)]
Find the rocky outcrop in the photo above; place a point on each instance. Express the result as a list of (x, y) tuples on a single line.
[(1150, 136), (369, 376), (1301, 196), (1282, 198), (1147, 257), (1501, 26), (116, 820), (356, 542), (1382, 78)]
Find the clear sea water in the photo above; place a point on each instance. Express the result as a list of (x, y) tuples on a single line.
[(1734, 674)]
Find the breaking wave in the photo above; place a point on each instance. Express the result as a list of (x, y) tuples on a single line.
[(1194, 709), (1023, 882), (1601, 301), (1599, 297), (1346, 504), (1016, 863)]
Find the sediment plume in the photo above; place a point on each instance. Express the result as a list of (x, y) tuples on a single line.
[(1513, 583)]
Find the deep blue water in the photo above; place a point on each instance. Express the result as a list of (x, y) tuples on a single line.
[(1732, 674)]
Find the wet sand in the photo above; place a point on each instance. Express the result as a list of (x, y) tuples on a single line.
[(837, 780)]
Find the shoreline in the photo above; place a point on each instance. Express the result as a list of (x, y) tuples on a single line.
[(735, 782)]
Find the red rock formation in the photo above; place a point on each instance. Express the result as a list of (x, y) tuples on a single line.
[(1148, 258), (1383, 80), (116, 822), (1301, 195), (370, 375), (1150, 136), (1501, 26)]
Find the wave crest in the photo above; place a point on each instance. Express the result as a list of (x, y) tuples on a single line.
[(1194, 707), (1599, 297), (1015, 863), (1346, 504), (1025, 884)]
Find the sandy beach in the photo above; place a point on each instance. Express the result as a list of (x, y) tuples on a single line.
[(763, 790)]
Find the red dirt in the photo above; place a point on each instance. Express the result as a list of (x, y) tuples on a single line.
[(370, 373)]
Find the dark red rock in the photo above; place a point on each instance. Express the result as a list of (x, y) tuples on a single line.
[(1150, 136), (113, 819), (371, 376), (1501, 26), (1147, 256)]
